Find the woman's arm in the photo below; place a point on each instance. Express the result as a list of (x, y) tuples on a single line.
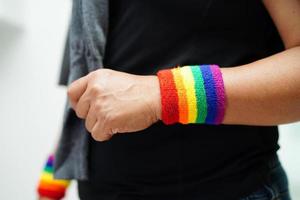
[(266, 92), (286, 16)]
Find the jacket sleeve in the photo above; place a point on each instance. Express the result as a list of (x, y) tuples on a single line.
[(65, 65)]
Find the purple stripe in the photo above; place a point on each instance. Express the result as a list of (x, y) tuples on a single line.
[(210, 91), (220, 91), (50, 161)]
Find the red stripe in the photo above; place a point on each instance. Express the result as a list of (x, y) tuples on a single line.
[(169, 97), (50, 194)]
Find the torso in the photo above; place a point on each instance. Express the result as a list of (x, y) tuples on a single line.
[(184, 160)]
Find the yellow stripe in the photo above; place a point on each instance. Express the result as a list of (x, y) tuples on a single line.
[(182, 99), (49, 178), (189, 83)]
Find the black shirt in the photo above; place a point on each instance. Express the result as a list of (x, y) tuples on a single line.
[(184, 161)]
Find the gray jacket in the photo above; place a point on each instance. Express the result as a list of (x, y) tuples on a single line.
[(83, 53)]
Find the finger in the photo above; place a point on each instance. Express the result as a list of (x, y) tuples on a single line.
[(76, 89), (91, 120), (83, 106), (98, 133)]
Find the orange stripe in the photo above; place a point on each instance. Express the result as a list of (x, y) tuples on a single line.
[(182, 98), (53, 183)]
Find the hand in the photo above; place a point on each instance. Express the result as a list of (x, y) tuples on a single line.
[(115, 102)]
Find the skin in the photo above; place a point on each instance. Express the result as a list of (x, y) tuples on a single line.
[(115, 102), (265, 92)]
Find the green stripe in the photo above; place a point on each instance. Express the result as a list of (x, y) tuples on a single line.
[(200, 94), (48, 169)]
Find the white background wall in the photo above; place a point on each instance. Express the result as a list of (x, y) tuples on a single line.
[(32, 34)]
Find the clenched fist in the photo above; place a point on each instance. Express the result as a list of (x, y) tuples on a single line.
[(115, 102)]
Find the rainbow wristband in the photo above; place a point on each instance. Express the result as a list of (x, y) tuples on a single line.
[(50, 187), (192, 94)]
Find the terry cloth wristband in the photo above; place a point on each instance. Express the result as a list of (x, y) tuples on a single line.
[(50, 187), (192, 94)]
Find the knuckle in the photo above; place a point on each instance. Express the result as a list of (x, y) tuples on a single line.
[(104, 71), (98, 73), (93, 74), (95, 136), (95, 89), (78, 113), (70, 92), (98, 107)]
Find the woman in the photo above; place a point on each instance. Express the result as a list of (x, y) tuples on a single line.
[(148, 137)]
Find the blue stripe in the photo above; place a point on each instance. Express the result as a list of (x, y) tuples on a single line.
[(211, 96), (49, 163)]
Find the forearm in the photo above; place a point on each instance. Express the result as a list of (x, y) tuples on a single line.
[(265, 92)]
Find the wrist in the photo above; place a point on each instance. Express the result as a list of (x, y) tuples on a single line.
[(154, 100), (157, 98)]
